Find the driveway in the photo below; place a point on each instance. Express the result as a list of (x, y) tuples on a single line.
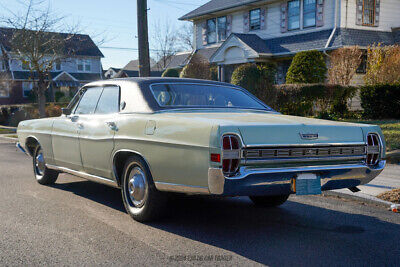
[(77, 222)]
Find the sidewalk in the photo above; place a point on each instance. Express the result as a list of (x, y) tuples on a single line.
[(389, 179)]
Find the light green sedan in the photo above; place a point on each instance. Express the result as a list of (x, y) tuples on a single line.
[(153, 136)]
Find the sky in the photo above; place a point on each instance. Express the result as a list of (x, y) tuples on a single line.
[(114, 21)]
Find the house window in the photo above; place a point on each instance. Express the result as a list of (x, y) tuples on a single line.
[(255, 19), (294, 15), (211, 31), (57, 65), (27, 88), (2, 65), (221, 26), (368, 12), (4, 89), (84, 65), (309, 13)]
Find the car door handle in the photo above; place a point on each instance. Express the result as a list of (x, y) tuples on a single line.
[(112, 125)]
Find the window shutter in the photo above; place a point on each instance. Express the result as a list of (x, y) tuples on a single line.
[(359, 7), (204, 32), (283, 23), (377, 10), (246, 22), (320, 13), (263, 18), (228, 25)]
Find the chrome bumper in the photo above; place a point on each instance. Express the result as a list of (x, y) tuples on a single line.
[(278, 181)]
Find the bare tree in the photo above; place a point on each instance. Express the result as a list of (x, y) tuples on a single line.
[(343, 65), (37, 45), (165, 43), (185, 36)]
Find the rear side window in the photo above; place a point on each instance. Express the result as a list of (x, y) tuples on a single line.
[(88, 102), (109, 101)]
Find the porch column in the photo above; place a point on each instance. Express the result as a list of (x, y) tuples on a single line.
[(221, 73)]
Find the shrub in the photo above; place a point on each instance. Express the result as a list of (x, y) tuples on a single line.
[(307, 67), (198, 68), (247, 76), (343, 64), (325, 101), (214, 73), (383, 65), (380, 101), (170, 73)]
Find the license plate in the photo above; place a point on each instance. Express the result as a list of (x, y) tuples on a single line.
[(307, 184)]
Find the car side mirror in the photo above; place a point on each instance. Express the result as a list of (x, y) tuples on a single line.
[(66, 111)]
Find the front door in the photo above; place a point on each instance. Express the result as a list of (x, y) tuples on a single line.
[(96, 134)]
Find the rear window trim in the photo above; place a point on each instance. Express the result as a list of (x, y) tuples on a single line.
[(266, 108)]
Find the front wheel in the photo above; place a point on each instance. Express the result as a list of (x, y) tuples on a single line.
[(269, 201), (42, 174), (142, 200)]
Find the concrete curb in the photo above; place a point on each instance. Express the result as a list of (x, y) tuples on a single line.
[(360, 197)]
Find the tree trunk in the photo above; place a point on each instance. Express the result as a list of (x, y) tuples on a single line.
[(42, 102)]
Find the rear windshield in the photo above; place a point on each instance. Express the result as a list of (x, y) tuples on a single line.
[(181, 95)]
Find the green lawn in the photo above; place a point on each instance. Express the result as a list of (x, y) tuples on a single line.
[(391, 131)]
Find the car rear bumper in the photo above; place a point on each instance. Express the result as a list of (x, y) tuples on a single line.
[(278, 181)]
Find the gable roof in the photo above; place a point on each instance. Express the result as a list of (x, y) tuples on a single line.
[(75, 44), (134, 65), (215, 6)]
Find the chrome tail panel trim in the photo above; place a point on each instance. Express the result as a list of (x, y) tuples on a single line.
[(90, 177), (180, 188)]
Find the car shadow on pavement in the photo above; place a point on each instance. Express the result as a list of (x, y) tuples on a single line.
[(99, 193), (294, 233)]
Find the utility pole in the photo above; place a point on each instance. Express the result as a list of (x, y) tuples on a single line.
[(143, 36)]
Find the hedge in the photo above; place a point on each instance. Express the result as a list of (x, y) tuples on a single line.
[(380, 101), (310, 99)]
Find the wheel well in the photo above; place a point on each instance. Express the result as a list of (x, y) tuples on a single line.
[(30, 145), (119, 161)]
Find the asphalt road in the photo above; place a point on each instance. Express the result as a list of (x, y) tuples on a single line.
[(76, 222)]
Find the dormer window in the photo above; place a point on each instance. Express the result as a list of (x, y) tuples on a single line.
[(255, 19), (211, 31)]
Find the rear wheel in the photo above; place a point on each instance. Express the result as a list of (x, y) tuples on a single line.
[(142, 200), (42, 174), (269, 201)]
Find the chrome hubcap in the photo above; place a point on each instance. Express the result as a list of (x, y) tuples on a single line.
[(137, 186), (39, 163)]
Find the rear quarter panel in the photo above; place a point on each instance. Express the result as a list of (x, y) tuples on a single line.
[(177, 150)]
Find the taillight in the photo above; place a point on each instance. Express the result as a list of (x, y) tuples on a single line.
[(373, 149), (230, 154)]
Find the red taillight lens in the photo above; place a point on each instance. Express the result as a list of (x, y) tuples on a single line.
[(216, 158), (373, 149), (230, 154)]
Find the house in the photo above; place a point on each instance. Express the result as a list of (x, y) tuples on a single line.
[(132, 70), (236, 32), (110, 73), (80, 64)]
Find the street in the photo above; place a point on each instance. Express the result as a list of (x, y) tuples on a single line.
[(76, 222)]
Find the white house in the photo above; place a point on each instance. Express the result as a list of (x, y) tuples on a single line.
[(234, 32)]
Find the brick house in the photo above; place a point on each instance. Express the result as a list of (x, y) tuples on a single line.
[(81, 64), (232, 32)]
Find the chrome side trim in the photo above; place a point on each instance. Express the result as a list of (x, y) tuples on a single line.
[(84, 175), (18, 145), (169, 187)]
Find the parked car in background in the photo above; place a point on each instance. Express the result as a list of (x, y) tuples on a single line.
[(149, 136)]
